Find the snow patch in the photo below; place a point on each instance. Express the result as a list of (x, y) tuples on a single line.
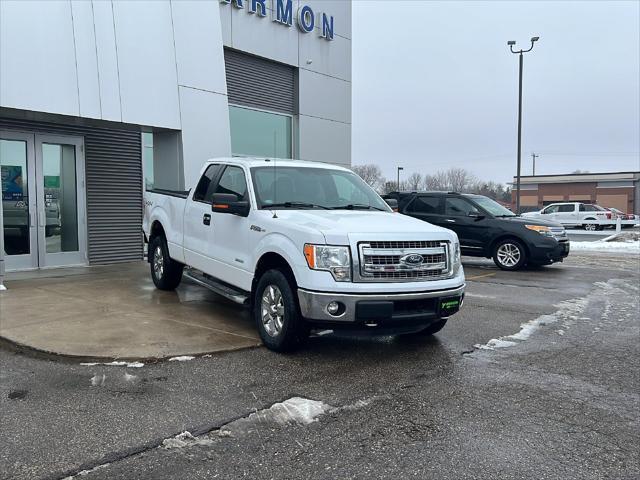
[(182, 358), (115, 364), (87, 472), (185, 439), (98, 380), (567, 310)]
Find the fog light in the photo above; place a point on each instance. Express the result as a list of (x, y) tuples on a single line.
[(333, 308)]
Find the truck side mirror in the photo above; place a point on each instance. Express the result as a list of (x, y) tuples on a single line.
[(229, 203), (475, 214)]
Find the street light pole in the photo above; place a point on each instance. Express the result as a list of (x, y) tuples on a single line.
[(511, 43), (399, 168), (534, 156)]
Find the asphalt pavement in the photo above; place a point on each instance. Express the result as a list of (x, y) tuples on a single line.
[(537, 377)]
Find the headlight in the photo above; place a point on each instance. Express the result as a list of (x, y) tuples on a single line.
[(546, 231), (454, 255), (336, 260)]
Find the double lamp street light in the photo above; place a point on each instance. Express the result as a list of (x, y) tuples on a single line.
[(511, 44)]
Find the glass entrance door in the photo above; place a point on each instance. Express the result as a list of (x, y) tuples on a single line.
[(60, 202), (43, 200), (17, 180)]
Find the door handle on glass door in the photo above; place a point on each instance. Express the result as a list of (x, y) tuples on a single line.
[(206, 219), (41, 221)]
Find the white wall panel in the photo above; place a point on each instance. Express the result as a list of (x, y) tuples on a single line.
[(37, 57), (107, 61), (331, 58), (325, 140), (264, 37), (339, 9), (225, 23), (86, 60), (205, 130), (199, 55), (324, 97), (147, 63)]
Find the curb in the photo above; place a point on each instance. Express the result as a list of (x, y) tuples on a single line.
[(40, 354)]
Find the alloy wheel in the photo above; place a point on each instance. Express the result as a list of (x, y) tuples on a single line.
[(272, 310), (158, 262), (509, 254)]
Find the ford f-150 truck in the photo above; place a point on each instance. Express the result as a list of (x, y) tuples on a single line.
[(305, 245)]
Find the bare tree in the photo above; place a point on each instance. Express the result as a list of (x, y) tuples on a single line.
[(414, 182), (371, 174), (459, 179)]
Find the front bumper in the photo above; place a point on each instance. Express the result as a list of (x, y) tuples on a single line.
[(392, 309), (550, 252)]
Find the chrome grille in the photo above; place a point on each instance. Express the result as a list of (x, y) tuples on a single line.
[(392, 261)]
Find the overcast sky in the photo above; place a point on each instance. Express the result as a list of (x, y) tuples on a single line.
[(434, 86)]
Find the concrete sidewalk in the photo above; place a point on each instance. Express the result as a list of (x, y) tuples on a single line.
[(116, 312)]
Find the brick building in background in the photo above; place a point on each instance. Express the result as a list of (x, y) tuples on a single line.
[(619, 190)]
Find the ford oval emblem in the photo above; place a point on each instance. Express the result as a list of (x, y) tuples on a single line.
[(413, 259)]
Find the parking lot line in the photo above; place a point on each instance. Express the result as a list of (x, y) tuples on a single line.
[(481, 276)]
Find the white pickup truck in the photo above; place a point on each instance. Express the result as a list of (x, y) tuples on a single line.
[(576, 214), (305, 245)]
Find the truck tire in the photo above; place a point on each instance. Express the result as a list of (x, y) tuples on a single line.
[(509, 254), (277, 314), (165, 272), (434, 328)]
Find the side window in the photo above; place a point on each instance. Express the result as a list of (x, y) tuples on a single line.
[(426, 205), (205, 182), (232, 181), (582, 208), (550, 209), (458, 207), (567, 208), (590, 208)]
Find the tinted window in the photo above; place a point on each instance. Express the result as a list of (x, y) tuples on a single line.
[(425, 205), (204, 183), (458, 207), (566, 208), (232, 181)]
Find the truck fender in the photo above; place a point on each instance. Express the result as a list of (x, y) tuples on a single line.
[(278, 244)]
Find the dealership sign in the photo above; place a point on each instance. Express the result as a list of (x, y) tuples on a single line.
[(282, 12)]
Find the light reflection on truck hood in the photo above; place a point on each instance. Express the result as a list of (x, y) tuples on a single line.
[(338, 225)]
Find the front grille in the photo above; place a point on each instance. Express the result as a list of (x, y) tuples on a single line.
[(418, 244), (403, 260)]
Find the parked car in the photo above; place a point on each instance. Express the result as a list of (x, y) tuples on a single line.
[(487, 229), (575, 214), (305, 245)]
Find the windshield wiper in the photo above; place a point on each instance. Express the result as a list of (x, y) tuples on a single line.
[(357, 206), (294, 205)]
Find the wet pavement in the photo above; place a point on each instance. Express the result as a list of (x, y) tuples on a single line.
[(485, 398), (116, 312)]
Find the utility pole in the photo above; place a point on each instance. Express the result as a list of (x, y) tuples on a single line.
[(399, 168), (511, 43), (534, 156)]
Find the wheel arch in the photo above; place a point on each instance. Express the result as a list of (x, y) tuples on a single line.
[(271, 261)]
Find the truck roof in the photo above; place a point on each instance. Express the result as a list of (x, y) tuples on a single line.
[(280, 162)]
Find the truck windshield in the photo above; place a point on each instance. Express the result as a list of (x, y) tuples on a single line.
[(493, 207), (308, 187)]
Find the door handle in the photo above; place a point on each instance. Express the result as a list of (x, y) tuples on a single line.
[(33, 220), (41, 219), (206, 219)]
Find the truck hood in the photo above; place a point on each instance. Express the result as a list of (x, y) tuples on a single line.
[(338, 226)]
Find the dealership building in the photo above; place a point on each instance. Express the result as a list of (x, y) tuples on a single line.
[(100, 98), (619, 190)]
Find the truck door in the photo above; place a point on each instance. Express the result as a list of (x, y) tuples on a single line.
[(550, 213), (197, 221), (229, 246)]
